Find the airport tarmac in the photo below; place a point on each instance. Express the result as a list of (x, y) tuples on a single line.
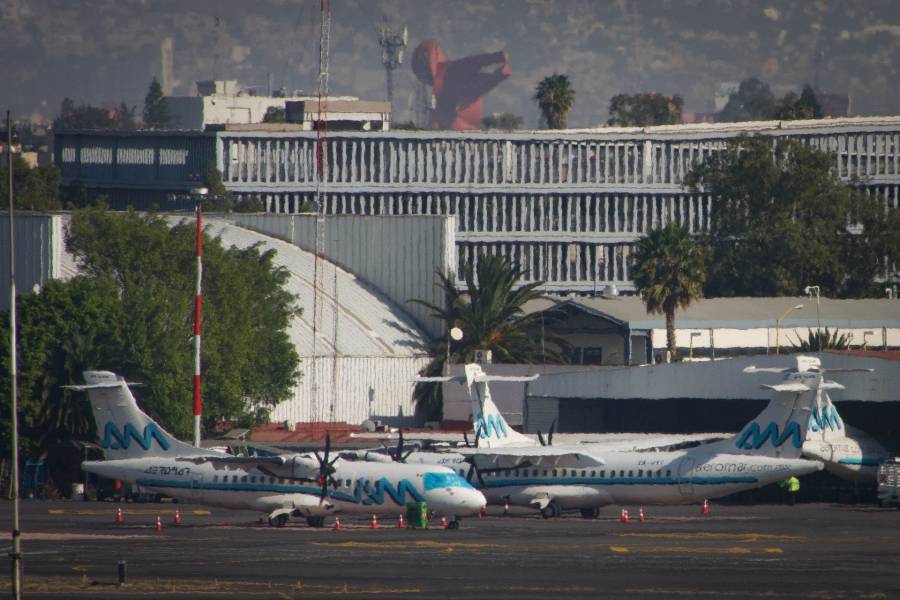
[(815, 551)]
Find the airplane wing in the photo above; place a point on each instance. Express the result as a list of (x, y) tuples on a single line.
[(537, 456), (752, 369), (797, 388), (860, 370), (486, 378), (235, 460)]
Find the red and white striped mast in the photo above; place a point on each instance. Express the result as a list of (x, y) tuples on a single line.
[(199, 194)]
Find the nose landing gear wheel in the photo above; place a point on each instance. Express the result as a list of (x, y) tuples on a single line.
[(551, 511), (279, 521)]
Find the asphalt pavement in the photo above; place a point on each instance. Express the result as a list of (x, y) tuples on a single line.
[(815, 551)]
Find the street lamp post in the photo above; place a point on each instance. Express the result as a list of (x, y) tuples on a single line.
[(778, 327), (809, 290), (865, 344)]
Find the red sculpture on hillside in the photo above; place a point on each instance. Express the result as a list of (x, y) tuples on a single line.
[(458, 84)]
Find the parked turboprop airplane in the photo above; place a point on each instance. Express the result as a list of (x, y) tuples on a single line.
[(309, 484), (510, 468), (847, 452)]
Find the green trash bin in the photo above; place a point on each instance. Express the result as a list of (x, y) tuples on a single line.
[(416, 515)]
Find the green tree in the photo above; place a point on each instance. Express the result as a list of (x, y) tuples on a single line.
[(275, 114), (249, 360), (669, 272), (156, 111), (505, 121), (753, 101), (804, 106), (33, 188), (86, 116), (640, 110), (491, 317), (779, 222), (218, 198), (555, 97)]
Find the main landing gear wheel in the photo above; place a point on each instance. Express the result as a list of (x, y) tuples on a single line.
[(551, 511), (315, 521), (279, 521), (590, 513), (454, 524)]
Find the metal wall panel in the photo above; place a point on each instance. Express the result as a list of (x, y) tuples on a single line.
[(397, 256), (39, 242), (352, 389), (541, 414)]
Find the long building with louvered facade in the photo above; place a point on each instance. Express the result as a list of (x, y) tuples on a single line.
[(567, 206)]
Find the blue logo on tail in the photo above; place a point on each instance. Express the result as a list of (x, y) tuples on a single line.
[(827, 419), (114, 439), (493, 425), (754, 439)]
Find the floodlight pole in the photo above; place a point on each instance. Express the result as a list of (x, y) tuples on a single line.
[(16, 553), (809, 291)]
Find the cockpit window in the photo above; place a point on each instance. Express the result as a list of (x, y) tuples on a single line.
[(434, 481)]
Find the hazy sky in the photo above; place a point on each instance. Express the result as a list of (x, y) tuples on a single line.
[(106, 51)]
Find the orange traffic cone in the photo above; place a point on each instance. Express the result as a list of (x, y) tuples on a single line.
[(400, 523), (505, 507), (444, 522), (705, 506), (374, 522), (641, 514), (624, 517), (482, 512), (120, 516), (177, 517), (158, 524), (337, 522)]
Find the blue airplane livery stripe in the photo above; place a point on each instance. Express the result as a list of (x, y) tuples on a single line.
[(754, 438), (364, 492), (491, 483), (114, 439), (867, 462)]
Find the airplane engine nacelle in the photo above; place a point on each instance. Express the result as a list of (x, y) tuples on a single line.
[(303, 467)]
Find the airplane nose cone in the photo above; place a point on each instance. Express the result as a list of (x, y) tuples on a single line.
[(477, 502)]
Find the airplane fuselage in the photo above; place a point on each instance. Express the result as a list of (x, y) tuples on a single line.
[(356, 487), (681, 477)]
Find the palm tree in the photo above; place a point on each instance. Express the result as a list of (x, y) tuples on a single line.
[(669, 272), (819, 340), (490, 315), (555, 97)]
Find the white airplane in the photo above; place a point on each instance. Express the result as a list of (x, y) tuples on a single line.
[(511, 468), (847, 452), (305, 485)]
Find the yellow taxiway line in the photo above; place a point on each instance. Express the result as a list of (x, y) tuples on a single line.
[(693, 550)]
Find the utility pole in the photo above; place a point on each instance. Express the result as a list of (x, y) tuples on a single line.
[(16, 553)]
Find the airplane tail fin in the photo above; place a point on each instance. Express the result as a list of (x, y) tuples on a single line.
[(491, 429), (782, 427), (126, 431)]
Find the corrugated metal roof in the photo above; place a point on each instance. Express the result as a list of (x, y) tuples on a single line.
[(368, 324), (739, 313)]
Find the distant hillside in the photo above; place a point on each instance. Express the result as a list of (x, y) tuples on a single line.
[(107, 50)]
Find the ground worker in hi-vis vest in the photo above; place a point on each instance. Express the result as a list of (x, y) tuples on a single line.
[(789, 489)]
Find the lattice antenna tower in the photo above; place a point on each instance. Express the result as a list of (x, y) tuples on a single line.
[(393, 42), (321, 195)]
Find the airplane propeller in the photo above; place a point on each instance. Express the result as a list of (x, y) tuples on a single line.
[(399, 455), (326, 467), (549, 440)]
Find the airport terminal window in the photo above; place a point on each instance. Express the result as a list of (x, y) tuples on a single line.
[(583, 473), (348, 483), (611, 473), (649, 474), (630, 473), (563, 472), (516, 473)]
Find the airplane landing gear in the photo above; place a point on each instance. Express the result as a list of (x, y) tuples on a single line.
[(315, 521), (590, 513), (279, 520), (552, 510)]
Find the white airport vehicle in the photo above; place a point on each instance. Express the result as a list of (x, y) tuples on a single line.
[(889, 482), (310, 485), (510, 468)]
